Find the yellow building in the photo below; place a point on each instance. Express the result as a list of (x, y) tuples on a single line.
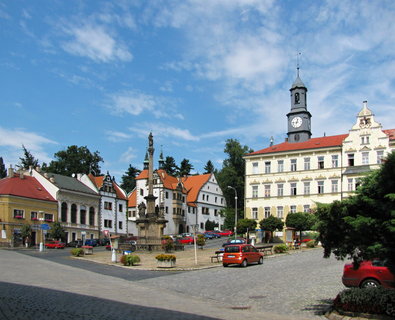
[(23, 200), (294, 175)]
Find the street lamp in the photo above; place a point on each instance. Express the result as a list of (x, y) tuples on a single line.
[(234, 189)]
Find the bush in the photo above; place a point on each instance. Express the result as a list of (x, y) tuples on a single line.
[(369, 300), (280, 248), (77, 252), (129, 259), (200, 241), (311, 244), (167, 243), (165, 257)]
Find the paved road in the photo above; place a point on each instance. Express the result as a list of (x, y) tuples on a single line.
[(296, 286)]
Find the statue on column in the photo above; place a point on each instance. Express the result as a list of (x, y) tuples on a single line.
[(142, 208)]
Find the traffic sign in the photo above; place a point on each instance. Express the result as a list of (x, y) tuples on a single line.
[(45, 226)]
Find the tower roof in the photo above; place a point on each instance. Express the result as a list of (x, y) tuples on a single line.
[(298, 83), (365, 112)]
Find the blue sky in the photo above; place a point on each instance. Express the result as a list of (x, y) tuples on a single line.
[(103, 74)]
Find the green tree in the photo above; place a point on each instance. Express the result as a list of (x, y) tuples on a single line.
[(362, 226), (232, 172), (129, 179), (229, 214), (200, 241), (28, 160), (210, 225), (75, 160), (271, 224), (209, 167), (301, 221), (185, 168), (57, 231), (3, 171), (246, 225), (170, 166)]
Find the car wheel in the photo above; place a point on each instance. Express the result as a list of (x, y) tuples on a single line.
[(260, 260), (370, 283), (225, 265), (244, 263)]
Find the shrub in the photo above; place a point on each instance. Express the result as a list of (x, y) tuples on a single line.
[(77, 252), (200, 241), (369, 300), (167, 243), (311, 244), (165, 257), (280, 248), (129, 259)]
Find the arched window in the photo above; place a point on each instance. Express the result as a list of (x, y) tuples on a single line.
[(82, 215), (297, 98), (73, 213), (92, 216), (64, 212)]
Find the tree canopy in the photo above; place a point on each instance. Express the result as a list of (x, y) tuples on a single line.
[(28, 160), (75, 160), (301, 221), (185, 168), (246, 225), (362, 226), (170, 166), (209, 167), (129, 179), (3, 171), (57, 231), (271, 224)]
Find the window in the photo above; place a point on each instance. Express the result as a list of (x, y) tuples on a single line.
[(19, 214), (120, 208), (357, 183), (307, 163), (320, 162), (280, 189), (167, 209), (107, 205), (215, 212), (306, 187), (267, 212), (335, 161), (267, 167), (107, 223), (320, 187), (167, 195), (350, 184), (255, 213), (82, 215), (141, 192), (292, 209), (203, 197), (335, 185), (280, 212), (120, 225), (350, 159), (33, 215), (215, 199), (63, 214), (255, 191), (306, 208), (280, 165), (293, 189), (380, 156), (91, 216), (365, 157), (255, 168), (293, 165), (365, 140), (73, 213), (267, 190)]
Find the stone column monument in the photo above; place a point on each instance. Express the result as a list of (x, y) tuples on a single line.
[(151, 221)]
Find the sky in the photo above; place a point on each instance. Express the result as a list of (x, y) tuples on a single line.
[(104, 74)]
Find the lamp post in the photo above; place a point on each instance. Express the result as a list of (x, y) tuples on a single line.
[(234, 189)]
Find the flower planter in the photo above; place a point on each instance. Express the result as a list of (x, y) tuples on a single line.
[(18, 217), (166, 263)]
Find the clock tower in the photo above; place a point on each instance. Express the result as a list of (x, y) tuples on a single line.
[(299, 119)]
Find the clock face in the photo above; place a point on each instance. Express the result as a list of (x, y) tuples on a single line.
[(296, 122)]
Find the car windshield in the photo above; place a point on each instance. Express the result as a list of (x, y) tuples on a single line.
[(232, 249)]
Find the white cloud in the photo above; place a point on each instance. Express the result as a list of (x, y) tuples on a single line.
[(128, 155), (95, 42), (116, 136), (164, 131)]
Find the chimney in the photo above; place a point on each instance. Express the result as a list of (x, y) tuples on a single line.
[(21, 175), (10, 172), (52, 179), (286, 139)]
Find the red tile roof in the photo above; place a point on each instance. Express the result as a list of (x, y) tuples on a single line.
[(132, 199), (28, 187), (168, 181), (313, 143), (194, 184)]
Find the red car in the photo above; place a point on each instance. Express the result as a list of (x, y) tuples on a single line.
[(55, 245), (241, 254), (369, 274), (185, 240)]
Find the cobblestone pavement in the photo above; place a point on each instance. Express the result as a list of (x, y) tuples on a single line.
[(33, 288), (301, 284)]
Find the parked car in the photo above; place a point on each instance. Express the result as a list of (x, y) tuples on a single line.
[(373, 273), (209, 235), (226, 233), (103, 241), (91, 242), (234, 241), (55, 245), (75, 244), (213, 233), (185, 240), (241, 254)]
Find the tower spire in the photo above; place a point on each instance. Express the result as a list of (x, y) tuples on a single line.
[(297, 64)]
